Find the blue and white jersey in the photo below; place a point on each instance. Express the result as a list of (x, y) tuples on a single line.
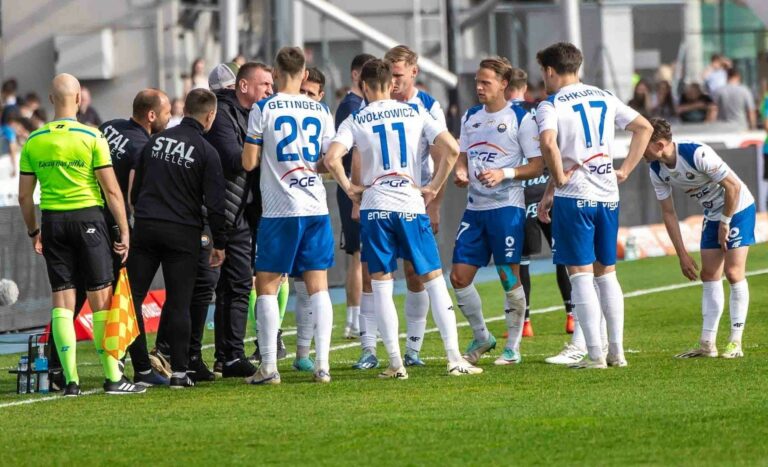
[(503, 139), (430, 105), (585, 118), (698, 171), (388, 135), (293, 131)]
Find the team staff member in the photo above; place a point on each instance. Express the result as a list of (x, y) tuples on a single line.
[(178, 173), (72, 162)]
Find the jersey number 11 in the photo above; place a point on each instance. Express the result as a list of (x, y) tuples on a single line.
[(381, 130)]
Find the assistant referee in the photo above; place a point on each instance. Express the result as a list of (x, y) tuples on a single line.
[(72, 161)]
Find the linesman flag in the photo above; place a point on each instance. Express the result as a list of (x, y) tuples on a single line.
[(122, 327)]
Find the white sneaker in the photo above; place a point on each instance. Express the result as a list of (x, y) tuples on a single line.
[(351, 333), (394, 373), (706, 349), (588, 364), (733, 350), (568, 356), (616, 360), (262, 378), (321, 376), (463, 367)]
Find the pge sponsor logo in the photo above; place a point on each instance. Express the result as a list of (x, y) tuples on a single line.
[(303, 182), (484, 156), (394, 183), (601, 169)]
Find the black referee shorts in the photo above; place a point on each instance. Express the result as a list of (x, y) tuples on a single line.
[(350, 230), (76, 245)]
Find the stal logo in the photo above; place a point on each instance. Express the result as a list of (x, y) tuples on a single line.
[(501, 128)]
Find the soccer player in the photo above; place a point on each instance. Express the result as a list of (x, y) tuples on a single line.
[(727, 232), (405, 70), (72, 163), (576, 131), (287, 133), (496, 138), (393, 215)]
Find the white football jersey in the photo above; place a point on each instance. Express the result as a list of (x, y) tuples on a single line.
[(294, 132), (585, 118), (698, 171), (388, 134), (498, 140), (430, 105)]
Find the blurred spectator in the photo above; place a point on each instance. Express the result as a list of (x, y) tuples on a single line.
[(223, 76), (9, 142), (641, 99), (665, 72), (239, 60), (87, 115), (8, 92), (695, 106), (197, 77), (665, 103), (177, 112), (716, 74), (341, 92), (735, 102)]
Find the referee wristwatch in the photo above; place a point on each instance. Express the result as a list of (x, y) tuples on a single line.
[(34, 233)]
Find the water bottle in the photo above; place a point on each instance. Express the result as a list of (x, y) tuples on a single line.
[(41, 364), (32, 379), (23, 365)]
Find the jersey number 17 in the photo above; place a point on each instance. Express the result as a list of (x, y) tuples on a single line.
[(585, 120)]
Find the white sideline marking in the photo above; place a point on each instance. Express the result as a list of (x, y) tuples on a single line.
[(635, 293)]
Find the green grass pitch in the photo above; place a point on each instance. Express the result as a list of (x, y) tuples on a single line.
[(656, 411)]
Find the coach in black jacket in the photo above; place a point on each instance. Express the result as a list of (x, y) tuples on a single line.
[(227, 135), (179, 172)]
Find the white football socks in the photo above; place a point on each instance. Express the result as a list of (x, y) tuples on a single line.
[(612, 305), (738, 306), (712, 303), (353, 317), (472, 308), (587, 306), (304, 320), (321, 303), (416, 309), (268, 316), (444, 316), (514, 315), (369, 326), (577, 339), (386, 315)]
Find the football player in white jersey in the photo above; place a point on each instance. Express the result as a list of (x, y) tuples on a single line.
[(727, 232), (576, 129), (496, 139), (287, 135), (404, 63), (393, 214)]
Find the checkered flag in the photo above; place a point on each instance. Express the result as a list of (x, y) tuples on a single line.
[(122, 328)]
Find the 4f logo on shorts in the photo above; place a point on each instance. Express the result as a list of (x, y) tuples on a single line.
[(509, 251), (734, 237)]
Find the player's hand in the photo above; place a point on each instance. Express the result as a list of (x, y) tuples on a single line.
[(723, 231), (491, 177), (356, 212), (621, 177), (689, 267), (461, 177), (355, 193), (37, 244), (429, 194), (543, 208), (433, 211), (217, 257), (121, 248)]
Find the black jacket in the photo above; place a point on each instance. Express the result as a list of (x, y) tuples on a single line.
[(126, 140), (178, 173), (227, 135)]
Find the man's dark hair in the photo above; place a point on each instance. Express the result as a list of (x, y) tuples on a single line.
[(290, 61), (316, 76), (31, 98), (518, 79), (377, 74), (563, 57), (661, 129), (10, 86), (248, 68), (146, 100), (359, 61), (733, 73), (199, 102)]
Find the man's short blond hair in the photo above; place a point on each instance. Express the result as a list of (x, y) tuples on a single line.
[(401, 53)]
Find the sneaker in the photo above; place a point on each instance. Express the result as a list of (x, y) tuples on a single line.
[(588, 364), (616, 360), (258, 378), (476, 349), (569, 323), (218, 368), (198, 370), (568, 356), (322, 376), (705, 349), (412, 359), (160, 363), (150, 379), (462, 368), (256, 355), (394, 373), (182, 382), (240, 368), (72, 390), (123, 387), (281, 352), (367, 361), (527, 328), (733, 350), (509, 357), (351, 333), (303, 364)]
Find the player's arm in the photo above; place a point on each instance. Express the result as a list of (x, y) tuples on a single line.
[(545, 205), (687, 264), (551, 154), (251, 156), (732, 190), (641, 130), (356, 180), (448, 149), (335, 167), (528, 139), (253, 140), (461, 171), (27, 183), (105, 175)]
